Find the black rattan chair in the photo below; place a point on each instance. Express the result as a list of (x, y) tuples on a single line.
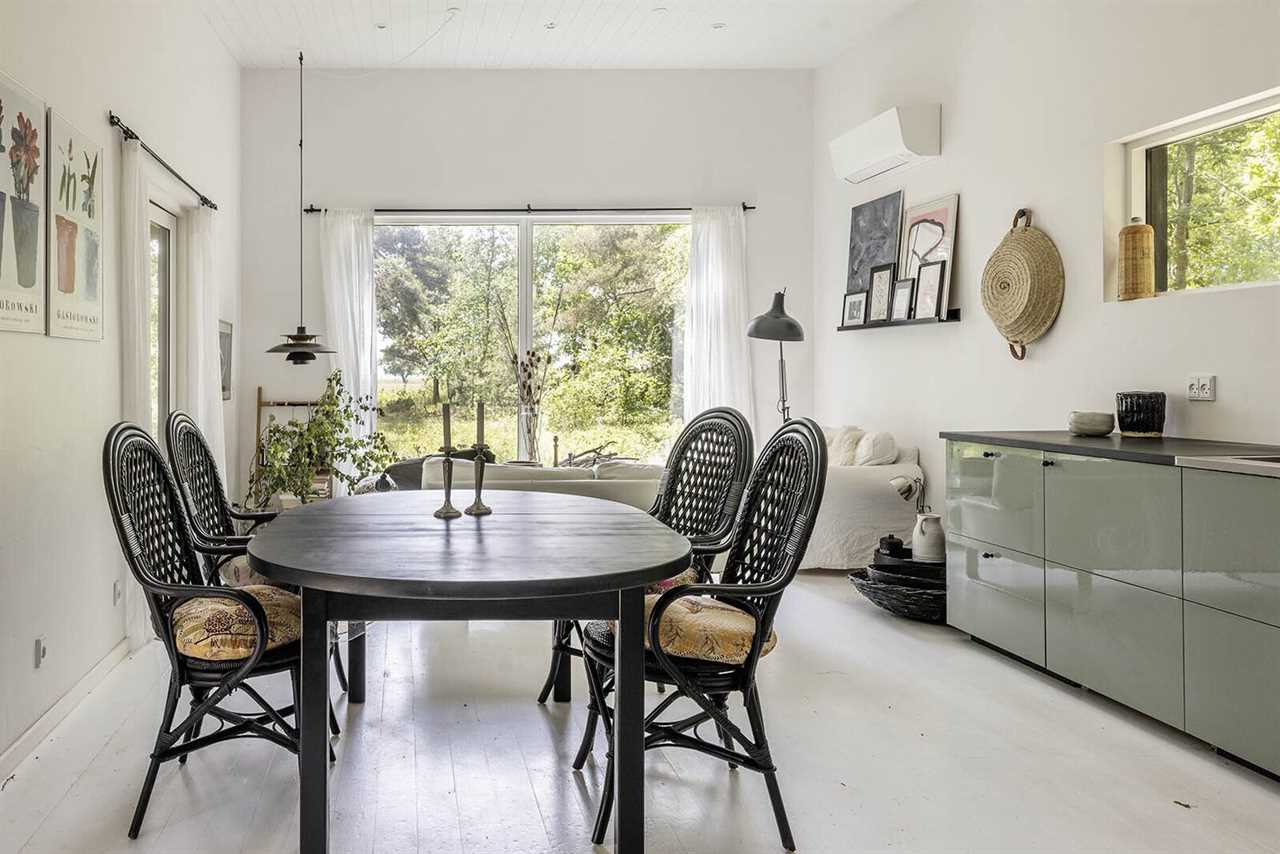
[(698, 496), (165, 558), (772, 531), (213, 518)]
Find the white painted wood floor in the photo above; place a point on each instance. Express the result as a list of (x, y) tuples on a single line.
[(889, 735)]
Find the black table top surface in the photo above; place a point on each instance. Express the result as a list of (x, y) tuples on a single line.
[(1162, 450), (535, 544)]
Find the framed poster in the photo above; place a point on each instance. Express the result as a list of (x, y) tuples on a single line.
[(881, 288), (22, 206), (903, 290), (873, 238), (929, 234), (75, 232), (855, 309), (928, 300)]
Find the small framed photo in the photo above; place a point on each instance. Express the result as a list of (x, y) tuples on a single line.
[(903, 291), (929, 284), (855, 309), (881, 292)]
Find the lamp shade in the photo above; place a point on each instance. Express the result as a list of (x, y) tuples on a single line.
[(775, 324), (300, 347)]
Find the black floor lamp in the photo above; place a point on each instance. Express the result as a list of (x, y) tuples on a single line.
[(776, 325)]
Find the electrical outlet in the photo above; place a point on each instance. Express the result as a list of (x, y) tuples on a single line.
[(40, 652), (115, 593), (1202, 387)]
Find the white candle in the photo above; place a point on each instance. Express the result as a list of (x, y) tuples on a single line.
[(480, 422), (446, 426)]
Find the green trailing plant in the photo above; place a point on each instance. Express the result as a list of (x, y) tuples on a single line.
[(293, 453), (89, 178), (24, 156)]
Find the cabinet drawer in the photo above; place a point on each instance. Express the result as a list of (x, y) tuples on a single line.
[(1233, 684), (1231, 543), (996, 594), (1124, 642), (996, 495), (1115, 518)]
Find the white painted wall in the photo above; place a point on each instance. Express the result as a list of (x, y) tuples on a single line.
[(1031, 92), (504, 138), (159, 66)]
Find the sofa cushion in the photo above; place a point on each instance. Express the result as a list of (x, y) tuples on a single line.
[(406, 474), (623, 470), (464, 473), (876, 449), (705, 628), (842, 444), (216, 629)]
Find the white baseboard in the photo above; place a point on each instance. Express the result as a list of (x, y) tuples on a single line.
[(36, 733)]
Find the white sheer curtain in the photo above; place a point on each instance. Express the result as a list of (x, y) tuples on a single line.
[(346, 271), (717, 363), (135, 342), (198, 386)]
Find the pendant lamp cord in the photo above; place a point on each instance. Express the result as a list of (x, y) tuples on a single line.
[(300, 274)]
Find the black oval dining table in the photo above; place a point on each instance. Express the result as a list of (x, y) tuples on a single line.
[(539, 556)]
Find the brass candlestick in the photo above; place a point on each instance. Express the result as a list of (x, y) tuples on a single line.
[(478, 507), (447, 510)]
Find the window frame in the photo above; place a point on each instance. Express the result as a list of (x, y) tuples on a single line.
[(159, 216), (1139, 182), (525, 223)]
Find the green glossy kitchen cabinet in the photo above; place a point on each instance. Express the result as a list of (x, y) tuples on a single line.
[(1117, 639), (996, 495), (1115, 518), (1233, 684), (997, 594), (1231, 536)]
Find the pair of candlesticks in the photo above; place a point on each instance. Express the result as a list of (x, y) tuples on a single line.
[(478, 452)]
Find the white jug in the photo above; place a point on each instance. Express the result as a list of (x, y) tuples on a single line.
[(928, 544)]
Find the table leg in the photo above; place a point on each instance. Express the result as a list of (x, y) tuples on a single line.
[(628, 724), (563, 691), (313, 720), (355, 661)]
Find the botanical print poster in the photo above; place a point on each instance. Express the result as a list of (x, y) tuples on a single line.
[(75, 232), (22, 205)]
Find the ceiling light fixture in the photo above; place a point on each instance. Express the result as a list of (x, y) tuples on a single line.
[(660, 10), (300, 347), (550, 25), (380, 25), (719, 25)]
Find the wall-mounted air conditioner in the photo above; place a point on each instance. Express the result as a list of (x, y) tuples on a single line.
[(898, 137)]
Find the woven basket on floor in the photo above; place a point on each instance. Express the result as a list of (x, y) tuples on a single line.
[(1023, 284)]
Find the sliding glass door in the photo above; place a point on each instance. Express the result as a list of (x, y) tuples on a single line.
[(598, 302)]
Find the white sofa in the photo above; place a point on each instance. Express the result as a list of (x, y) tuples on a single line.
[(629, 483), (859, 507)]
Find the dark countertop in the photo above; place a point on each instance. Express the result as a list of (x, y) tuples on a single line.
[(1162, 451)]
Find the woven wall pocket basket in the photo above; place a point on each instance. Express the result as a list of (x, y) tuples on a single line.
[(1023, 284)]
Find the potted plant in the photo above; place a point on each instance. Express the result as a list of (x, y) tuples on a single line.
[(293, 454), (24, 162), (68, 195)]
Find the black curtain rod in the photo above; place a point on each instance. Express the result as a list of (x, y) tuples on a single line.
[(128, 133), (527, 209)]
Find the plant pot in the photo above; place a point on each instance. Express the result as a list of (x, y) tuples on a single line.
[(26, 239), (89, 259), (67, 231)]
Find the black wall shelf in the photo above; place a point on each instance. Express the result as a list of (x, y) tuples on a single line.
[(953, 316)]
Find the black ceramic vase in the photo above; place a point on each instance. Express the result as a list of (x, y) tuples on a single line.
[(1140, 413)]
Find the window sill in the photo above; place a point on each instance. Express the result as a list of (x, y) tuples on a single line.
[(1192, 292)]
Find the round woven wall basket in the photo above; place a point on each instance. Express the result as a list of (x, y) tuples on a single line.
[(1023, 284)]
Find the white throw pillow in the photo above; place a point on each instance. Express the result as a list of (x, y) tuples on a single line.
[(842, 444), (876, 449), (625, 470)]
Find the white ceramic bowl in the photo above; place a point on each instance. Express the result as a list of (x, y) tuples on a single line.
[(1091, 423)]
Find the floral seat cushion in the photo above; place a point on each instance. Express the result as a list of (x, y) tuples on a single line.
[(216, 629), (707, 629), (689, 576)]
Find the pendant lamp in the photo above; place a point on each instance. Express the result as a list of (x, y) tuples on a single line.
[(300, 347)]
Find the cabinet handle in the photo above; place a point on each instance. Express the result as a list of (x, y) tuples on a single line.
[(989, 555), (989, 455), (1046, 463)]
